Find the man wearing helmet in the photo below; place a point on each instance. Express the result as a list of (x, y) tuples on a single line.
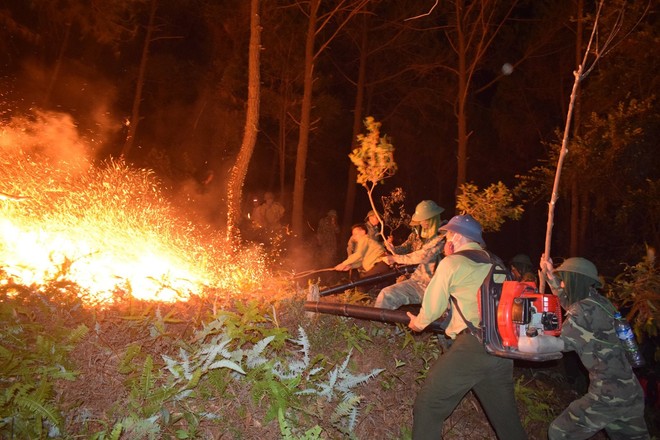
[(427, 253), (522, 268), (466, 365), (615, 399), (372, 224)]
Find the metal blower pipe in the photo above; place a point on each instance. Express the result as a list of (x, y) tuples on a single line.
[(364, 312), (401, 270)]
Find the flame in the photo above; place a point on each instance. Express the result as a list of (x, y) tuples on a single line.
[(106, 227)]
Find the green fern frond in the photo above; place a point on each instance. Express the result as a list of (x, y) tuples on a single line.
[(348, 408), (147, 379), (40, 408), (77, 334), (125, 365)]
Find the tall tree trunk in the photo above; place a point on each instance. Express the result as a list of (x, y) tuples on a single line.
[(574, 218), (462, 94), (281, 144), (239, 170), (137, 99), (357, 129), (297, 217), (58, 63)]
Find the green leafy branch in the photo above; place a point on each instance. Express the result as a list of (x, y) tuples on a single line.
[(374, 160), (490, 206)]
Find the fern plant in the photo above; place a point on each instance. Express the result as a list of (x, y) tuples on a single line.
[(32, 359)]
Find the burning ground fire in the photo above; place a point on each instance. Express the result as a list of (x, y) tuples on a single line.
[(107, 228)]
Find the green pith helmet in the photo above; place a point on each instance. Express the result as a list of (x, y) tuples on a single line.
[(425, 210), (581, 266), (522, 259)]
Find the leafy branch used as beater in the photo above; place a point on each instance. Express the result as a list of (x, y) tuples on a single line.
[(374, 160)]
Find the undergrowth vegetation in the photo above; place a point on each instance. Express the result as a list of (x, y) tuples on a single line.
[(259, 368)]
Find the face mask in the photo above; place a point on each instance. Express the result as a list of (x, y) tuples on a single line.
[(449, 246)]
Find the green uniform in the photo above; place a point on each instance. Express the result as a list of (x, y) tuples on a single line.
[(366, 256), (615, 400), (466, 366)]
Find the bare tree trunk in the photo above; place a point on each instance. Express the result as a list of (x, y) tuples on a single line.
[(584, 222), (281, 147), (357, 128), (574, 218), (239, 170), (137, 99), (297, 220), (462, 94), (477, 24), (58, 63)]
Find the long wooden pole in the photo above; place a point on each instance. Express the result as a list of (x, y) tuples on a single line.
[(579, 76)]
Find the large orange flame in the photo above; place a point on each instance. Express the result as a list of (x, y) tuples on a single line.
[(105, 227)]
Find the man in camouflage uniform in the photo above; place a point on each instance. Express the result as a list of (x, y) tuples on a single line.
[(522, 268), (411, 291), (615, 399)]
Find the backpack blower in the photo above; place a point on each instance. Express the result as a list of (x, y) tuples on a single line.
[(510, 309)]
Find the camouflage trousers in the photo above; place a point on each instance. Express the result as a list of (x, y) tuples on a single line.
[(400, 294), (584, 417)]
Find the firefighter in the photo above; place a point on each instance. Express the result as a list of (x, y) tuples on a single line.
[(427, 253), (373, 231), (522, 268), (367, 255), (466, 365), (615, 399)]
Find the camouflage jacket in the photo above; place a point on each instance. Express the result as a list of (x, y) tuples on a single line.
[(589, 331), (428, 257)]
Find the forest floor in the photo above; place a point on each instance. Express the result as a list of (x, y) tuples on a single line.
[(542, 391), (115, 379)]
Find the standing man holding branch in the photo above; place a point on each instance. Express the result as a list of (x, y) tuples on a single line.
[(466, 366)]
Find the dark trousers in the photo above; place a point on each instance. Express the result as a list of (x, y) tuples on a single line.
[(467, 366)]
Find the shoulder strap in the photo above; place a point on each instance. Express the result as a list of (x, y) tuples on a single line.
[(472, 327), (476, 255), (481, 256), (611, 313)]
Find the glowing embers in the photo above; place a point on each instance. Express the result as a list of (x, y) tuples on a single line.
[(105, 227), (99, 260)]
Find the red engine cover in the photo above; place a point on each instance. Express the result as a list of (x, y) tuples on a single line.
[(545, 307)]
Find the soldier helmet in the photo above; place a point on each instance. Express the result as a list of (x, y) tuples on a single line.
[(467, 226), (425, 210), (581, 266), (522, 259)]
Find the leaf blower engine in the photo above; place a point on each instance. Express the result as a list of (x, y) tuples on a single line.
[(522, 310)]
